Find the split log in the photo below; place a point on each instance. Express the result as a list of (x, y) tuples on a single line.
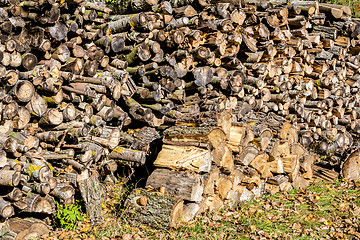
[(325, 175), (222, 157), (184, 158)]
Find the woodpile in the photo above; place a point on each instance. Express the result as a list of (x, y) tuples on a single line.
[(210, 167), (63, 90), (85, 91)]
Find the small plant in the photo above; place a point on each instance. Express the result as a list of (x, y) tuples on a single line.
[(68, 216), (111, 1)]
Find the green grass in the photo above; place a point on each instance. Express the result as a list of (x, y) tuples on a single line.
[(324, 210)]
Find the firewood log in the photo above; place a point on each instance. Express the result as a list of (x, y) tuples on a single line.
[(185, 185), (201, 134), (6, 210), (34, 203), (349, 169), (154, 209), (184, 158), (91, 192), (24, 228), (222, 157)]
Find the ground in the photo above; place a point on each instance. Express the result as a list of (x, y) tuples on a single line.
[(323, 211)]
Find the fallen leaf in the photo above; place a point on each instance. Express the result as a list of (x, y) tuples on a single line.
[(296, 226), (328, 223), (127, 236)]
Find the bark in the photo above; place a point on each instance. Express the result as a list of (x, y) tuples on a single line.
[(92, 195), (159, 211), (6, 210), (126, 154), (9, 178), (184, 185)]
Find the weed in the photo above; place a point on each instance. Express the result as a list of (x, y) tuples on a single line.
[(111, 1), (68, 216)]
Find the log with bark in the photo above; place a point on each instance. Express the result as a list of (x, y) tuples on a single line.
[(154, 208)]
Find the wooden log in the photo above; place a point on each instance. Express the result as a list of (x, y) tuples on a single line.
[(189, 211), (37, 105), (52, 117), (61, 54), (291, 166), (142, 5), (211, 179), (223, 186), (300, 183), (35, 203), (276, 166), (310, 7), (23, 90), (6, 210), (306, 166), (183, 184), (14, 195), (41, 188), (126, 154), (162, 211), (211, 135), (247, 155), (184, 158), (222, 157), (203, 76), (92, 195), (260, 164), (349, 167), (18, 228), (29, 61), (211, 203), (64, 192), (289, 132), (279, 149), (37, 171), (328, 175), (262, 137), (331, 10), (237, 134), (9, 178), (126, 22)]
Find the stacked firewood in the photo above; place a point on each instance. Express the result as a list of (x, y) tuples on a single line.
[(60, 119), (79, 80), (209, 167)]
